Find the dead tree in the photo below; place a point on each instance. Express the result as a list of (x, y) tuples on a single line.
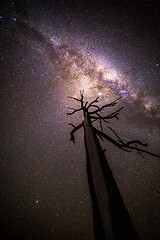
[(111, 220)]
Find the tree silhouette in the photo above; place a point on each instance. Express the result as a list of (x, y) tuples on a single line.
[(110, 217)]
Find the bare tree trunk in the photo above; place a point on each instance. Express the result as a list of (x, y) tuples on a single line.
[(100, 196), (110, 217)]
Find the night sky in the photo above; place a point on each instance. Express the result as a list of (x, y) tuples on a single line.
[(54, 49)]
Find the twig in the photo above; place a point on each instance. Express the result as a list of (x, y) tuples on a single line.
[(75, 110), (79, 100), (96, 100), (119, 139), (107, 105)]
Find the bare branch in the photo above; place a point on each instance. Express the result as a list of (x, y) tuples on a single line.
[(100, 123), (72, 125), (99, 119), (74, 130), (92, 105), (100, 137), (112, 115), (107, 105), (85, 104), (102, 134), (139, 151), (71, 108), (75, 110), (79, 100), (142, 150), (94, 101), (92, 121), (125, 146), (119, 139), (137, 141)]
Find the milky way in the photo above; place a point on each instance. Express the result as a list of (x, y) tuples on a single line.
[(80, 68), (54, 50)]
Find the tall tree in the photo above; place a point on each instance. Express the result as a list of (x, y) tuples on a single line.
[(110, 217)]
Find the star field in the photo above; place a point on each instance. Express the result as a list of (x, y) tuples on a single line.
[(53, 50)]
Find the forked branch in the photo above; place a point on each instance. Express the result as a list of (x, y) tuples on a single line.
[(75, 110), (103, 135), (74, 130), (91, 104), (112, 104), (112, 115), (125, 146)]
